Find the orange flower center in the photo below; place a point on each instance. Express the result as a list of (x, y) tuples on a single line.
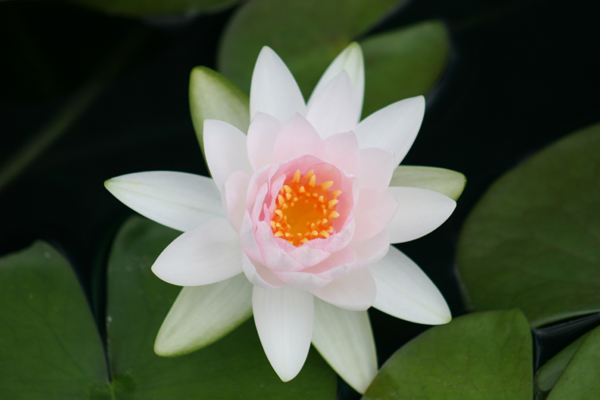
[(304, 210)]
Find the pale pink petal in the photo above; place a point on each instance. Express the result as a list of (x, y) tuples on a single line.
[(393, 128), (334, 109), (258, 274), (376, 168), (420, 211), (404, 291), (345, 340), (248, 239), (274, 90), (372, 250), (350, 60), (306, 255), (301, 280), (336, 265), (273, 256), (297, 138), (373, 211), (234, 198), (354, 291), (208, 254), (284, 321), (225, 149), (261, 139), (342, 151)]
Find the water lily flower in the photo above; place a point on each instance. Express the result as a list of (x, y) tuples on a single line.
[(296, 224)]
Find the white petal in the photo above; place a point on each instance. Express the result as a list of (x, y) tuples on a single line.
[(201, 315), (345, 340), (420, 211), (351, 60), (393, 128), (284, 320), (334, 108), (208, 254), (261, 139), (274, 90), (404, 291), (175, 199), (354, 291), (234, 198), (225, 148)]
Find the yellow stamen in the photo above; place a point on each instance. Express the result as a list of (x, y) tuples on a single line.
[(297, 222), (327, 185)]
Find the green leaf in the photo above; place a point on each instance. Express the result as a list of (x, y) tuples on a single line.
[(548, 374), (444, 181), (212, 96), (49, 344), (533, 240), (580, 380), (308, 34), (403, 63), (50, 347), (481, 356), (137, 304), (153, 7)]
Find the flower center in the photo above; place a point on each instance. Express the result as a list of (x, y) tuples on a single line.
[(304, 210)]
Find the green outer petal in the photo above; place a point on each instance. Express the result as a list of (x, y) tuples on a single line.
[(201, 315), (49, 344), (482, 356), (212, 96), (580, 381), (345, 339), (403, 63), (444, 181), (548, 374)]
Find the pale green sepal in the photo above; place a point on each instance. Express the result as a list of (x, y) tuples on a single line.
[(345, 340), (548, 374), (444, 181), (212, 96), (201, 315)]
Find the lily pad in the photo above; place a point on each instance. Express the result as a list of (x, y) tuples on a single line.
[(580, 380), (402, 63), (50, 347), (480, 356), (549, 373), (533, 240), (153, 7)]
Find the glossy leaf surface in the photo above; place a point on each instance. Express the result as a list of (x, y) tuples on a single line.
[(532, 241), (446, 361), (49, 345)]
